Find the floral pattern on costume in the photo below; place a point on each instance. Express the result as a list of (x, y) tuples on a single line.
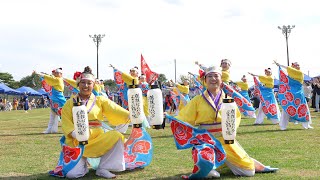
[(207, 151), (292, 98)]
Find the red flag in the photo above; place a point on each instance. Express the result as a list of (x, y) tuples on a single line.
[(150, 75)]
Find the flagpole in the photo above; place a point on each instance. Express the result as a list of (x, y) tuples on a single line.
[(175, 71)]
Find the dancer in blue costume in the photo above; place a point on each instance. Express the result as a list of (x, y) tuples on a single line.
[(268, 103), (292, 98), (243, 84), (53, 84)]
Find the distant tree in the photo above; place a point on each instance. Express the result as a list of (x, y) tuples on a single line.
[(182, 78), (8, 80), (32, 81), (162, 78), (111, 84)]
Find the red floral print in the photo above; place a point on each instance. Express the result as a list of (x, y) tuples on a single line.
[(181, 132), (129, 158), (289, 96), (205, 138), (282, 89), (136, 133), (118, 77), (46, 86), (195, 155), (207, 154), (284, 102), (55, 105), (283, 77), (59, 111), (297, 101), (272, 109), (302, 110), (142, 147), (238, 101), (265, 109), (70, 153), (195, 169), (291, 110), (220, 156), (194, 141)]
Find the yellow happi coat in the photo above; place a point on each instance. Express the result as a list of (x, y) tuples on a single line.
[(243, 85), (225, 76), (55, 82), (295, 74), (198, 111), (267, 81), (99, 142)]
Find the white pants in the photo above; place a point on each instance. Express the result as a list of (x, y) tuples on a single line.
[(113, 160), (240, 172), (261, 116), (122, 128), (284, 121), (53, 123)]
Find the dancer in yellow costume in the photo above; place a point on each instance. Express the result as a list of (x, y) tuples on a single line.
[(268, 82), (204, 111), (144, 88), (225, 65), (109, 146), (183, 91)]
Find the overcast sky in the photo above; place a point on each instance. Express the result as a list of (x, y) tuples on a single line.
[(42, 35)]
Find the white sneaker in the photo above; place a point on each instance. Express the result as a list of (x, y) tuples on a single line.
[(213, 174), (310, 127), (105, 173)]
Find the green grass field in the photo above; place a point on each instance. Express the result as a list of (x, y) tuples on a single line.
[(26, 153)]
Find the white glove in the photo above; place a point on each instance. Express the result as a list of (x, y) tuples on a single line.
[(73, 134)]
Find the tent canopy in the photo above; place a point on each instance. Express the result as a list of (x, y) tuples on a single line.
[(7, 90), (42, 92), (29, 91)]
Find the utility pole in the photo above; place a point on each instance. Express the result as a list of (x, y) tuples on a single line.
[(97, 41), (175, 70), (286, 30)]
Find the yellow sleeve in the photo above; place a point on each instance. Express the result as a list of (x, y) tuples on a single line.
[(67, 118), (225, 76), (189, 112), (127, 78), (55, 82), (97, 88), (72, 82), (113, 112), (267, 81), (243, 85), (295, 74), (183, 89)]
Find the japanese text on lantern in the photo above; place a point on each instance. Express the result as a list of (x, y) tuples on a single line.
[(230, 125), (135, 105), (152, 107), (81, 119)]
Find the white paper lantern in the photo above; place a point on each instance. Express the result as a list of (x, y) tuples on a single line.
[(135, 104), (80, 121), (155, 105), (228, 123)]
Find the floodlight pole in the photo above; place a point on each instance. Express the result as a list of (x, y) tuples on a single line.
[(97, 41), (286, 30)]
